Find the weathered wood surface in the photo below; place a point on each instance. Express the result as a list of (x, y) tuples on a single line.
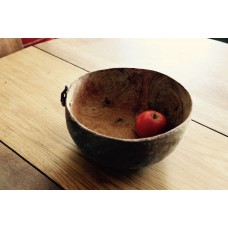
[(33, 124), (199, 64)]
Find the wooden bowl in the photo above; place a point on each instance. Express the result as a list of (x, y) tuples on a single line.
[(101, 108)]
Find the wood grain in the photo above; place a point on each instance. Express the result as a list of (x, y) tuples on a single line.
[(10, 45), (108, 101), (33, 124), (17, 174), (199, 64)]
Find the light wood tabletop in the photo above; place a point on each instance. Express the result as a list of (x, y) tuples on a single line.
[(33, 121), (199, 64)]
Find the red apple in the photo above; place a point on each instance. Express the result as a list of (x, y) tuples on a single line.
[(150, 123)]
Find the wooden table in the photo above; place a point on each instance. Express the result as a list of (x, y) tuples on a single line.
[(33, 124)]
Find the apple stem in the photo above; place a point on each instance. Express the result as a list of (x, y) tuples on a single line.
[(155, 116)]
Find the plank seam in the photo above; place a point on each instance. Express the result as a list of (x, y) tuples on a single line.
[(40, 171)]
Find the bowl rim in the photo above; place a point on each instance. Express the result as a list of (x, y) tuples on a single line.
[(162, 135)]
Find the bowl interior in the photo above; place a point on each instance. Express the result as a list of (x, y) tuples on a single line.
[(108, 101)]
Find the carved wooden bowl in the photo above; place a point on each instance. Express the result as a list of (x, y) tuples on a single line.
[(101, 108)]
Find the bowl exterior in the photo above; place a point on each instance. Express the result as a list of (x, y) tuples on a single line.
[(123, 154)]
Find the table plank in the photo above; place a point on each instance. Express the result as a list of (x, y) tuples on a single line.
[(33, 124), (199, 64), (17, 174)]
